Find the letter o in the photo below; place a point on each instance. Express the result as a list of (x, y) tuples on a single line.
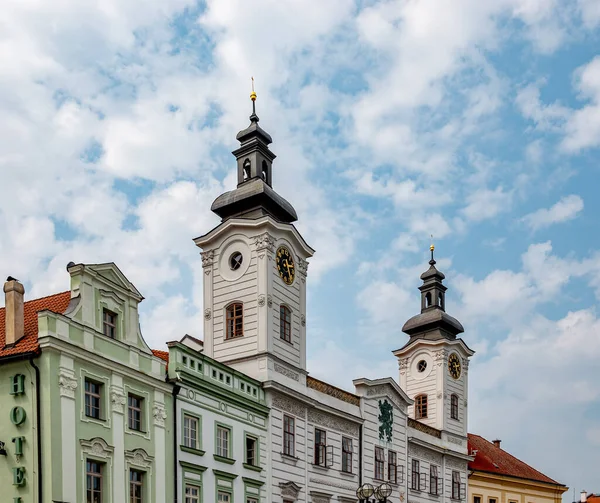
[(18, 416)]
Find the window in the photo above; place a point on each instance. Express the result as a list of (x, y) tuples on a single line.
[(320, 446), (235, 321), (135, 486), (456, 486), (93, 482), (251, 500), (92, 399), (192, 494), (134, 405), (289, 436), (491, 500), (414, 476), (392, 467), (346, 455), (235, 261), (251, 451), (190, 432), (422, 366), (454, 406), (247, 173), (433, 480), (379, 461), (285, 323), (109, 323), (421, 407), (223, 441), (265, 171), (476, 499), (223, 497), (428, 299)]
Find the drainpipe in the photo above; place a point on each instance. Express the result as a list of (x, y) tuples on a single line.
[(176, 389), (360, 454), (39, 427)]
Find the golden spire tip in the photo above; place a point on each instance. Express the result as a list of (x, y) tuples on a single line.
[(253, 94)]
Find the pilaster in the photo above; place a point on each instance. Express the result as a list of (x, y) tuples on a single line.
[(208, 265), (68, 385)]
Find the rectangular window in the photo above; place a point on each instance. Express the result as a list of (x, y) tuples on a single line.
[(223, 435), (190, 432), (92, 399), (251, 500), (134, 409), (285, 323), (379, 462), (454, 406), (235, 321), (136, 487), (433, 480), (223, 497), (320, 447), (192, 494), (93, 482), (346, 454), (491, 500), (392, 467), (251, 451), (414, 476), (289, 436), (109, 323), (456, 486), (476, 499)]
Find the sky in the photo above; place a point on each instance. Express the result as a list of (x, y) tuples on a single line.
[(477, 122)]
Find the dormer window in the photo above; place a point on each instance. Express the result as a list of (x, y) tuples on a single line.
[(421, 407), (109, 323), (235, 320)]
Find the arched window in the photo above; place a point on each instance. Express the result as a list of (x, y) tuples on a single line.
[(441, 300), (428, 299), (265, 171), (454, 406), (420, 406), (285, 323), (235, 320), (247, 173)]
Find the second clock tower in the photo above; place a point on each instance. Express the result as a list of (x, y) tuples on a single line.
[(255, 268)]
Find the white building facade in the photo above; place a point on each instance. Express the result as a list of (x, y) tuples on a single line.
[(322, 442)]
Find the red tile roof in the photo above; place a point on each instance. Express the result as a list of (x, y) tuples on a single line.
[(492, 459), (29, 342), (163, 355), (593, 498)]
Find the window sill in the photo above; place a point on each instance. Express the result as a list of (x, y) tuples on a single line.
[(235, 338), (347, 474), (415, 490), (252, 467), (378, 480), (435, 495), (287, 458), (191, 450), (92, 418), (229, 461), (321, 467), (287, 342)]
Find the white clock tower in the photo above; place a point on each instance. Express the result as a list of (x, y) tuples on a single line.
[(434, 362), (255, 266)]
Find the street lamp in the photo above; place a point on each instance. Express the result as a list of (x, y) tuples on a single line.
[(380, 494)]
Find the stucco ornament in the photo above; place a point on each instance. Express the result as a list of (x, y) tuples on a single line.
[(117, 399), (67, 383), (302, 266), (302, 320), (269, 301), (386, 420), (290, 490), (264, 241), (261, 300), (159, 413), (207, 314), (208, 258), (97, 447), (139, 458)]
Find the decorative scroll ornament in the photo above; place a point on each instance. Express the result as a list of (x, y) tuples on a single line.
[(97, 447), (264, 241), (117, 399), (208, 258), (67, 383), (207, 314), (261, 300), (441, 356), (302, 266), (159, 413), (403, 364), (139, 458), (290, 490)]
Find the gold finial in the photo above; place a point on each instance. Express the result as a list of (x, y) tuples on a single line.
[(432, 247), (253, 94)]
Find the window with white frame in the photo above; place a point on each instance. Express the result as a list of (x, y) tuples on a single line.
[(433, 480), (392, 467), (251, 451), (134, 406), (223, 441), (192, 494), (346, 454), (379, 463), (456, 485), (191, 432), (136, 486), (320, 447), (289, 436), (223, 497), (93, 480), (414, 475)]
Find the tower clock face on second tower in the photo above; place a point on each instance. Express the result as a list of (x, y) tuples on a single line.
[(285, 265), (454, 366)]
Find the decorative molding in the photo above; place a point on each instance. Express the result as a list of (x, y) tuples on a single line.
[(439, 395), (289, 490), (384, 390), (320, 499), (454, 440), (261, 300), (441, 356), (139, 458), (333, 483), (284, 403), (207, 314), (159, 413), (207, 258), (287, 372), (97, 447), (416, 451), (332, 422), (456, 463), (302, 320), (264, 241), (269, 301), (403, 365), (302, 266), (117, 400), (67, 383)]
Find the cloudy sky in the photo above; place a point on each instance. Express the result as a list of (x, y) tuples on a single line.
[(475, 121)]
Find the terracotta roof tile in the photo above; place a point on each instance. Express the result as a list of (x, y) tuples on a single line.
[(163, 355), (492, 459), (330, 390), (29, 342)]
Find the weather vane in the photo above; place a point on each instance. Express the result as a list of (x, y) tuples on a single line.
[(432, 247), (253, 98)]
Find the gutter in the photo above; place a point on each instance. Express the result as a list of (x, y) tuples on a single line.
[(39, 427), (176, 389)]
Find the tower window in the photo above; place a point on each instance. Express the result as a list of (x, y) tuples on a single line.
[(428, 299), (247, 171), (265, 171), (285, 323), (109, 323), (441, 300), (454, 406), (421, 366), (421, 407), (235, 261), (235, 320)]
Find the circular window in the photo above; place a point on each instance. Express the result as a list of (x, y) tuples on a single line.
[(235, 261), (421, 366)]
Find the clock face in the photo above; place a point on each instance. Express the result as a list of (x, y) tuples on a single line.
[(454, 365), (285, 265)]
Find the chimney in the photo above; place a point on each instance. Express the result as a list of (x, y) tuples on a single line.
[(15, 322), (583, 496), (497, 443)]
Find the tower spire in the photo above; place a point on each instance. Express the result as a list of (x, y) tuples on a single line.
[(253, 118), (432, 248)]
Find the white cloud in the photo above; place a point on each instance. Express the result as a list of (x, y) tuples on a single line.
[(485, 204), (568, 208)]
